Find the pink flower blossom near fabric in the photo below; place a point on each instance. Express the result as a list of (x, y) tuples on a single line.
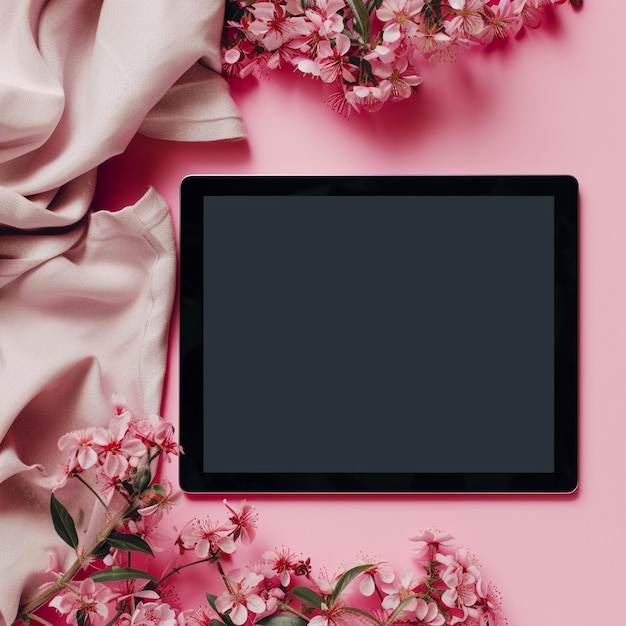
[(80, 447), (162, 498), (444, 589), (271, 26), (116, 450), (157, 432)]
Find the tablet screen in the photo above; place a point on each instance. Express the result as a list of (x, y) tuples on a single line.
[(362, 338)]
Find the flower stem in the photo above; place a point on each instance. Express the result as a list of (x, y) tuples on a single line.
[(94, 492), (36, 618), (60, 583), (285, 607), (175, 570)]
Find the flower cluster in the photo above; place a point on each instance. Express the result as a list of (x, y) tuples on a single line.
[(118, 465), (369, 49), (120, 454)]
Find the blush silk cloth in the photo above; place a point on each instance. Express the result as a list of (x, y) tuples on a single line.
[(85, 294)]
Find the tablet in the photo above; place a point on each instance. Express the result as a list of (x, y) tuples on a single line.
[(377, 334)]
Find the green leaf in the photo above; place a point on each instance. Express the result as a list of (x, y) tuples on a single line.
[(121, 573), (80, 618), (216, 622), (399, 608), (361, 18), (283, 619), (142, 479), (129, 543), (347, 578), (353, 609), (308, 596), (63, 522)]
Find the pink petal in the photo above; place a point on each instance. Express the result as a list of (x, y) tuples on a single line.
[(87, 457), (227, 545), (367, 586), (239, 614), (255, 603), (223, 603)]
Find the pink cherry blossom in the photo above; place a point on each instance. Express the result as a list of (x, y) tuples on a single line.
[(468, 17), (244, 521), (377, 572), (398, 17), (241, 597), (161, 498), (491, 604), (206, 537), (323, 16), (326, 583), (398, 77), (268, 589), (153, 614), (432, 543), (400, 590), (503, 20), (271, 26), (333, 62), (324, 39), (117, 451), (90, 598), (460, 582), (200, 616), (282, 562), (155, 431), (428, 613), (272, 596), (81, 448), (339, 103), (368, 97), (331, 616), (147, 527)]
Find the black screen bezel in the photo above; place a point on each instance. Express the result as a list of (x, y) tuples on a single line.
[(564, 190)]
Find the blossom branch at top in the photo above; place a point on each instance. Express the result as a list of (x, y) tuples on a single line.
[(370, 50), (118, 465)]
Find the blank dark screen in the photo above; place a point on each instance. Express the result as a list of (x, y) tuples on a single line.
[(379, 334)]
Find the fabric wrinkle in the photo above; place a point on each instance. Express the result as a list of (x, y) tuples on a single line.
[(85, 295)]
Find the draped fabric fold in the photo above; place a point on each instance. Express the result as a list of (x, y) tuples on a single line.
[(85, 294)]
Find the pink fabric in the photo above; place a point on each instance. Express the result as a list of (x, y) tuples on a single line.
[(85, 297)]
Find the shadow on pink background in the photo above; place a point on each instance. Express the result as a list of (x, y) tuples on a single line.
[(551, 102)]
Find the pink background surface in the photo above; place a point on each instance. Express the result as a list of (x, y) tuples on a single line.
[(551, 102)]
